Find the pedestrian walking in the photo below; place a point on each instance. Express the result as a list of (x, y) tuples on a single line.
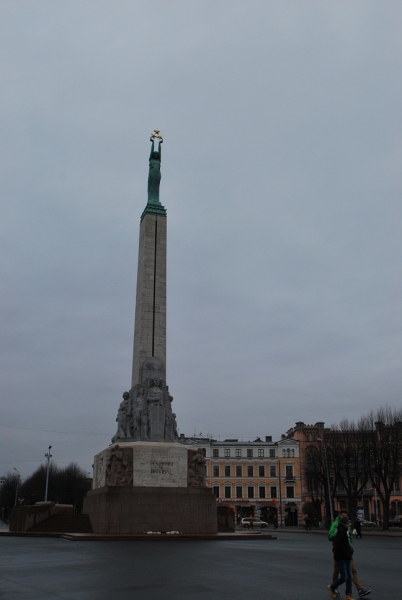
[(358, 527), (343, 553), (361, 591)]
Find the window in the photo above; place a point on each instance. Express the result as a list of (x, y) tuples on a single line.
[(215, 489), (272, 453), (250, 471), (396, 485), (227, 451), (261, 471), (289, 472), (272, 470), (227, 470), (260, 451), (290, 491), (238, 452), (249, 453), (283, 452), (261, 491), (343, 504), (228, 491), (238, 470), (273, 491), (250, 491), (292, 453), (288, 452), (215, 452), (239, 491), (216, 471)]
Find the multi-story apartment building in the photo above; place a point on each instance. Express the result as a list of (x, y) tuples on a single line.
[(259, 478)]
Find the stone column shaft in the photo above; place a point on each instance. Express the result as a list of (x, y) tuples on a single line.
[(150, 309)]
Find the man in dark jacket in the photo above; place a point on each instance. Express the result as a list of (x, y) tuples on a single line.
[(343, 552)]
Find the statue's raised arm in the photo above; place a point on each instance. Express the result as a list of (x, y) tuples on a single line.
[(154, 177)]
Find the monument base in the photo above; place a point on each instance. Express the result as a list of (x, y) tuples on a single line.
[(128, 509)]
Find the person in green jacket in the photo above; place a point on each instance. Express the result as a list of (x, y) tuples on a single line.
[(361, 591)]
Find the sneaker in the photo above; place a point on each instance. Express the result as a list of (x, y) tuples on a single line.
[(364, 592), (337, 593), (349, 597), (331, 592)]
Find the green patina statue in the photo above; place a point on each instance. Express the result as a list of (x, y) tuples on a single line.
[(154, 178)]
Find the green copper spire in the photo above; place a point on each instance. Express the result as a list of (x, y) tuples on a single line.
[(154, 178)]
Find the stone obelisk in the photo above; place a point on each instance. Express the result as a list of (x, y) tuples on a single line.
[(146, 480), (150, 310)]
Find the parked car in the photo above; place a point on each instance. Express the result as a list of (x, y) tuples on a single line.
[(395, 522), (366, 523), (245, 522)]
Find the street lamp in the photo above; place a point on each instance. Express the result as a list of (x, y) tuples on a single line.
[(48, 456), (16, 489), (328, 482)]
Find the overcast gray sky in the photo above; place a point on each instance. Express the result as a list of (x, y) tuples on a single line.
[(281, 175)]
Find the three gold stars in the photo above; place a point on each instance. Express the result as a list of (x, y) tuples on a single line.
[(156, 135)]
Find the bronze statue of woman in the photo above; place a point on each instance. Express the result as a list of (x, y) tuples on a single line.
[(154, 177)]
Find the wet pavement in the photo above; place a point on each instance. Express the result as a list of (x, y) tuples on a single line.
[(293, 567)]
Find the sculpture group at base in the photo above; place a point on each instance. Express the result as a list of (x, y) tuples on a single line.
[(145, 413)]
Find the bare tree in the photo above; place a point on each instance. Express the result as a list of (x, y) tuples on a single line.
[(347, 463), (316, 483), (67, 485), (8, 493), (382, 446)]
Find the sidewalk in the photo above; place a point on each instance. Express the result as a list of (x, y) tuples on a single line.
[(365, 532)]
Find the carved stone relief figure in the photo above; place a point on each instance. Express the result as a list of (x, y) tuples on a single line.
[(99, 472), (128, 429), (156, 413), (174, 426), (122, 418), (153, 368), (196, 468), (145, 414), (119, 470), (137, 416)]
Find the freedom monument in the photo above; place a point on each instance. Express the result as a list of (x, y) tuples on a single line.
[(146, 480)]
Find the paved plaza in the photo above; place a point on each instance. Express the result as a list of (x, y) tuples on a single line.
[(295, 566)]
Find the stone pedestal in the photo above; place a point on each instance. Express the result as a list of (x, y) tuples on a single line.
[(127, 509), (154, 486)]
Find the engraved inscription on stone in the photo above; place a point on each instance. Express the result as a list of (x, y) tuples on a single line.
[(160, 465)]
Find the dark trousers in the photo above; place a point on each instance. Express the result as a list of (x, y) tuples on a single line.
[(345, 574)]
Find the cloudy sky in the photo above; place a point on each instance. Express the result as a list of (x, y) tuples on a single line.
[(281, 175)]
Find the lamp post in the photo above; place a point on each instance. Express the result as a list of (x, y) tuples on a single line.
[(48, 456), (16, 489), (328, 482)]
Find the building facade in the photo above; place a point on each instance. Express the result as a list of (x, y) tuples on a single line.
[(258, 478)]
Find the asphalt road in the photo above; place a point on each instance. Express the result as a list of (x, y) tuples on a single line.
[(295, 566)]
